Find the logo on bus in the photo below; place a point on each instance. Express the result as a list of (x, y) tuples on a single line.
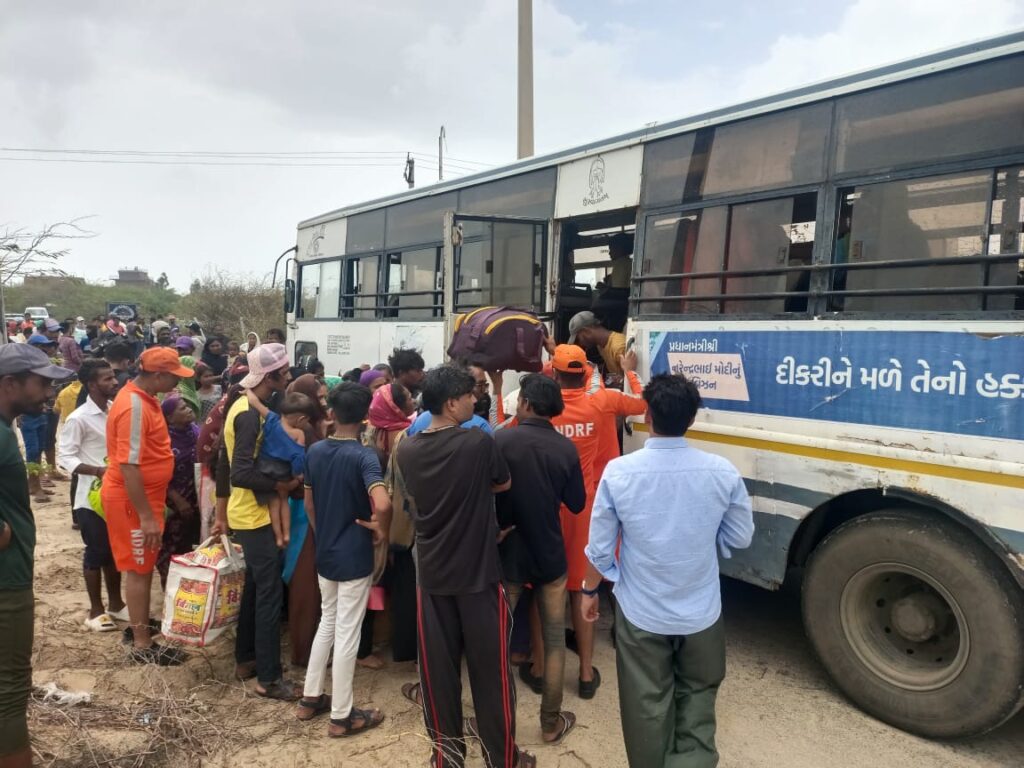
[(596, 182)]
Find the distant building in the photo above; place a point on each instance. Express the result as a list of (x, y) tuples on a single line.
[(51, 282), (132, 277)]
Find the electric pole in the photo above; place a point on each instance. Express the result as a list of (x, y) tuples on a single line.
[(524, 133), (410, 170), (440, 155)]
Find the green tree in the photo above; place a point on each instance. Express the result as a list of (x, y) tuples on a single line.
[(162, 282), (233, 304)]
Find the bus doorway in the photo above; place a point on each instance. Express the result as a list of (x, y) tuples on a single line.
[(596, 258)]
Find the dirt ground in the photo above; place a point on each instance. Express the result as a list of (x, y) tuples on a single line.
[(776, 707)]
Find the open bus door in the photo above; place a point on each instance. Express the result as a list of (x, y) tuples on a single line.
[(493, 261)]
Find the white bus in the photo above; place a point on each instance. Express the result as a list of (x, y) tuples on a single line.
[(839, 268)]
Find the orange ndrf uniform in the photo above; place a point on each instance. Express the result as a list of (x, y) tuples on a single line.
[(136, 434)]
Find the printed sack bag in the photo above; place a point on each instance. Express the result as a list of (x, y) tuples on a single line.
[(204, 592), (499, 339)]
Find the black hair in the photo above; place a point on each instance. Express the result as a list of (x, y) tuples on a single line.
[(116, 351), (444, 383), (275, 332), (313, 365), (543, 395), (673, 401), (571, 380), (91, 369), (296, 402), (383, 367), (350, 402), (400, 394), (352, 375), (622, 240), (402, 360)]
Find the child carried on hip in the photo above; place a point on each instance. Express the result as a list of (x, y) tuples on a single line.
[(282, 453)]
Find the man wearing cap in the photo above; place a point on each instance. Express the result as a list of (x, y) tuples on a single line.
[(258, 640), (81, 331), (586, 331), (26, 380), (581, 422), (135, 489)]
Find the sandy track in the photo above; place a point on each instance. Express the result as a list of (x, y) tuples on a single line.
[(776, 708)]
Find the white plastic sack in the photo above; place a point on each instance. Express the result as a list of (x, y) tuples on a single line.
[(204, 592)]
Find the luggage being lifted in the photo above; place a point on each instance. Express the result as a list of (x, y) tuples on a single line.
[(499, 338)]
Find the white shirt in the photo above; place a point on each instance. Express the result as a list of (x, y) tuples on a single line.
[(83, 441)]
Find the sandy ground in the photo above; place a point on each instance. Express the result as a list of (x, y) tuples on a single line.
[(776, 708)]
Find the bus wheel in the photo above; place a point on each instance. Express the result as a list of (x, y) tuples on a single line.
[(917, 622)]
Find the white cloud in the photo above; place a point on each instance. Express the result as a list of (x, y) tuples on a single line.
[(323, 75)]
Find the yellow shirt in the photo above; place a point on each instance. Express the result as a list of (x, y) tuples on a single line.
[(610, 352), (244, 512), (65, 402)]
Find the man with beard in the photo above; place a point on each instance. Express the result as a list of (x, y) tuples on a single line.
[(26, 382)]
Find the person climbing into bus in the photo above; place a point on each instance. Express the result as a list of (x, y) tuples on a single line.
[(580, 421), (586, 331)]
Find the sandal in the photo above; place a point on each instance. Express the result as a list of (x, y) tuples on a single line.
[(369, 719), (121, 615), (568, 723), (307, 709), (412, 692), (101, 623), (533, 682), (589, 687), (280, 689), (526, 760)]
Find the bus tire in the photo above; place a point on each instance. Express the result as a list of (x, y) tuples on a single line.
[(917, 622)]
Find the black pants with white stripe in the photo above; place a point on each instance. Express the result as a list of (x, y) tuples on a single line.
[(476, 625)]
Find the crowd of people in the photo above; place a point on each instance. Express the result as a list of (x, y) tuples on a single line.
[(388, 488)]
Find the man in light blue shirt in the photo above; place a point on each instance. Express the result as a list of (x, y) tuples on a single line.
[(673, 506)]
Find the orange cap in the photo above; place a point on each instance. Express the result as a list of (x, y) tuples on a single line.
[(163, 360), (569, 358)]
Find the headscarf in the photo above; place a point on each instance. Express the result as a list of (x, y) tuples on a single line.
[(217, 363), (209, 433), (367, 378), (387, 419), (309, 385), (246, 347), (183, 446), (187, 387)]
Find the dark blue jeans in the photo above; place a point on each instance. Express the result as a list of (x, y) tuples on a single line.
[(259, 619)]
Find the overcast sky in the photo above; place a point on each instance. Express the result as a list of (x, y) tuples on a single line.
[(344, 76)]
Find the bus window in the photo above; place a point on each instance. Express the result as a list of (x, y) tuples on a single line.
[(942, 117), (361, 291), (499, 263), (365, 232), (678, 243), (781, 150), (330, 289), (764, 235), (531, 195), (309, 284), (1006, 236), (930, 218), (412, 284), (417, 222)]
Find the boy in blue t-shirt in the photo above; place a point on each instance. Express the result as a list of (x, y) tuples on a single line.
[(350, 512)]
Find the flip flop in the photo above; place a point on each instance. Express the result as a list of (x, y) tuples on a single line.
[(101, 623), (121, 615), (412, 692), (568, 723), (307, 709)]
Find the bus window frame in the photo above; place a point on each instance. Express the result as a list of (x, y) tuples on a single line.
[(437, 308), (824, 246), (537, 297)]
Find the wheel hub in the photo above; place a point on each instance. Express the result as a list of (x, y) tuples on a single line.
[(916, 617), (904, 626)]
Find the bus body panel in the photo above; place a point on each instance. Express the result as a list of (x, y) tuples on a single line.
[(793, 465)]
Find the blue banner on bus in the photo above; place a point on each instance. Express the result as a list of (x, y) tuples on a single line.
[(956, 382)]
